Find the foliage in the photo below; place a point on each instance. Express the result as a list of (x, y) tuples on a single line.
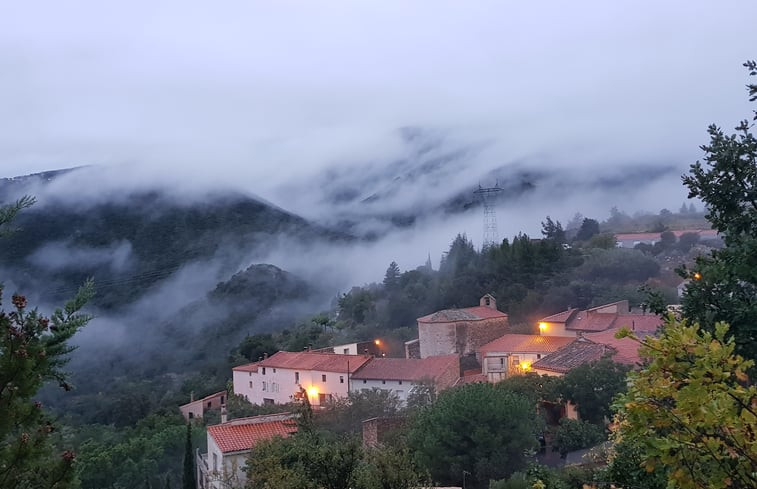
[(475, 428), (573, 434), (388, 468), (516, 481), (691, 410), (605, 241), (33, 351), (593, 386), (392, 276), (533, 386), (422, 395), (626, 468), (346, 415), (589, 227), (188, 480), (727, 184), (304, 461), (553, 230), (255, 346)]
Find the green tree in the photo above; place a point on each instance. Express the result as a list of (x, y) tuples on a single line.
[(475, 428), (388, 468), (692, 410), (392, 277), (593, 386), (33, 351), (573, 434), (553, 230), (188, 480), (726, 289), (589, 227)]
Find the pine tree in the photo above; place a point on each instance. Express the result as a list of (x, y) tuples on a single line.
[(188, 480), (392, 276), (33, 350)]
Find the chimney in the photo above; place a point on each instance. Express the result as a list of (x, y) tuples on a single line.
[(265, 355), (192, 396), (224, 418)]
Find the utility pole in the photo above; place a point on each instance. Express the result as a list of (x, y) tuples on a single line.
[(488, 197)]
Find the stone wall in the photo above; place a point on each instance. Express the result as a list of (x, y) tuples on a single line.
[(461, 337), (377, 430)]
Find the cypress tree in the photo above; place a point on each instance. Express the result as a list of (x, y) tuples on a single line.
[(189, 463)]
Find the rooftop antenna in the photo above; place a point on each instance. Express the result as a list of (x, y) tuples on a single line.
[(488, 197)]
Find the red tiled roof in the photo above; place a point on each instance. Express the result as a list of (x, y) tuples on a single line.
[(584, 321), (306, 360), (471, 379), (250, 367), (626, 349), (477, 313), (560, 317), (411, 369), (526, 343), (573, 355), (639, 322), (239, 437)]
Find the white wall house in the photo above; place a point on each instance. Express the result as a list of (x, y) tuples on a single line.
[(514, 354), (401, 375), (280, 377), (230, 443)]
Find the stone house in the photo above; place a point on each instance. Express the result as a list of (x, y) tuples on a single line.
[(461, 331)]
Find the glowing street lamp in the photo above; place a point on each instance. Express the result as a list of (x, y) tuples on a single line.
[(313, 391), (377, 342), (542, 327), (525, 366)]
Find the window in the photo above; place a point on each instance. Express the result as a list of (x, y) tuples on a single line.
[(267, 401), (215, 462), (250, 384), (221, 399), (296, 377), (502, 361), (191, 415), (346, 351), (210, 403), (400, 393), (400, 382), (341, 379), (323, 377), (274, 370), (274, 387), (263, 370), (383, 381), (516, 360), (265, 386), (365, 381), (538, 356)]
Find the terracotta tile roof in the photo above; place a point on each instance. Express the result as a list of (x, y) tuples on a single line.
[(579, 352), (237, 437), (471, 379), (585, 321), (626, 349), (639, 322), (560, 317), (411, 369), (526, 343), (250, 367), (306, 360), (477, 313)]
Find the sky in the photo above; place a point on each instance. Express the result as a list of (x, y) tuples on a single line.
[(266, 97)]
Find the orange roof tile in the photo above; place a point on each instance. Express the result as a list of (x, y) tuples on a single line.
[(306, 360), (626, 349), (250, 367), (639, 322), (560, 317), (239, 437), (526, 343), (476, 313), (411, 369)]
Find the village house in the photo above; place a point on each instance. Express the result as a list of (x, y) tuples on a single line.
[(573, 322), (197, 408), (282, 377), (230, 443), (401, 375), (575, 354), (460, 331), (373, 347), (514, 354)]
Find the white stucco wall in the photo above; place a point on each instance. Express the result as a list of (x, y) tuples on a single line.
[(225, 470), (399, 387), (280, 384)]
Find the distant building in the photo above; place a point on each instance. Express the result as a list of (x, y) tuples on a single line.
[(197, 408), (461, 331), (282, 377), (401, 375), (630, 240), (601, 318), (230, 443), (372, 347)]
